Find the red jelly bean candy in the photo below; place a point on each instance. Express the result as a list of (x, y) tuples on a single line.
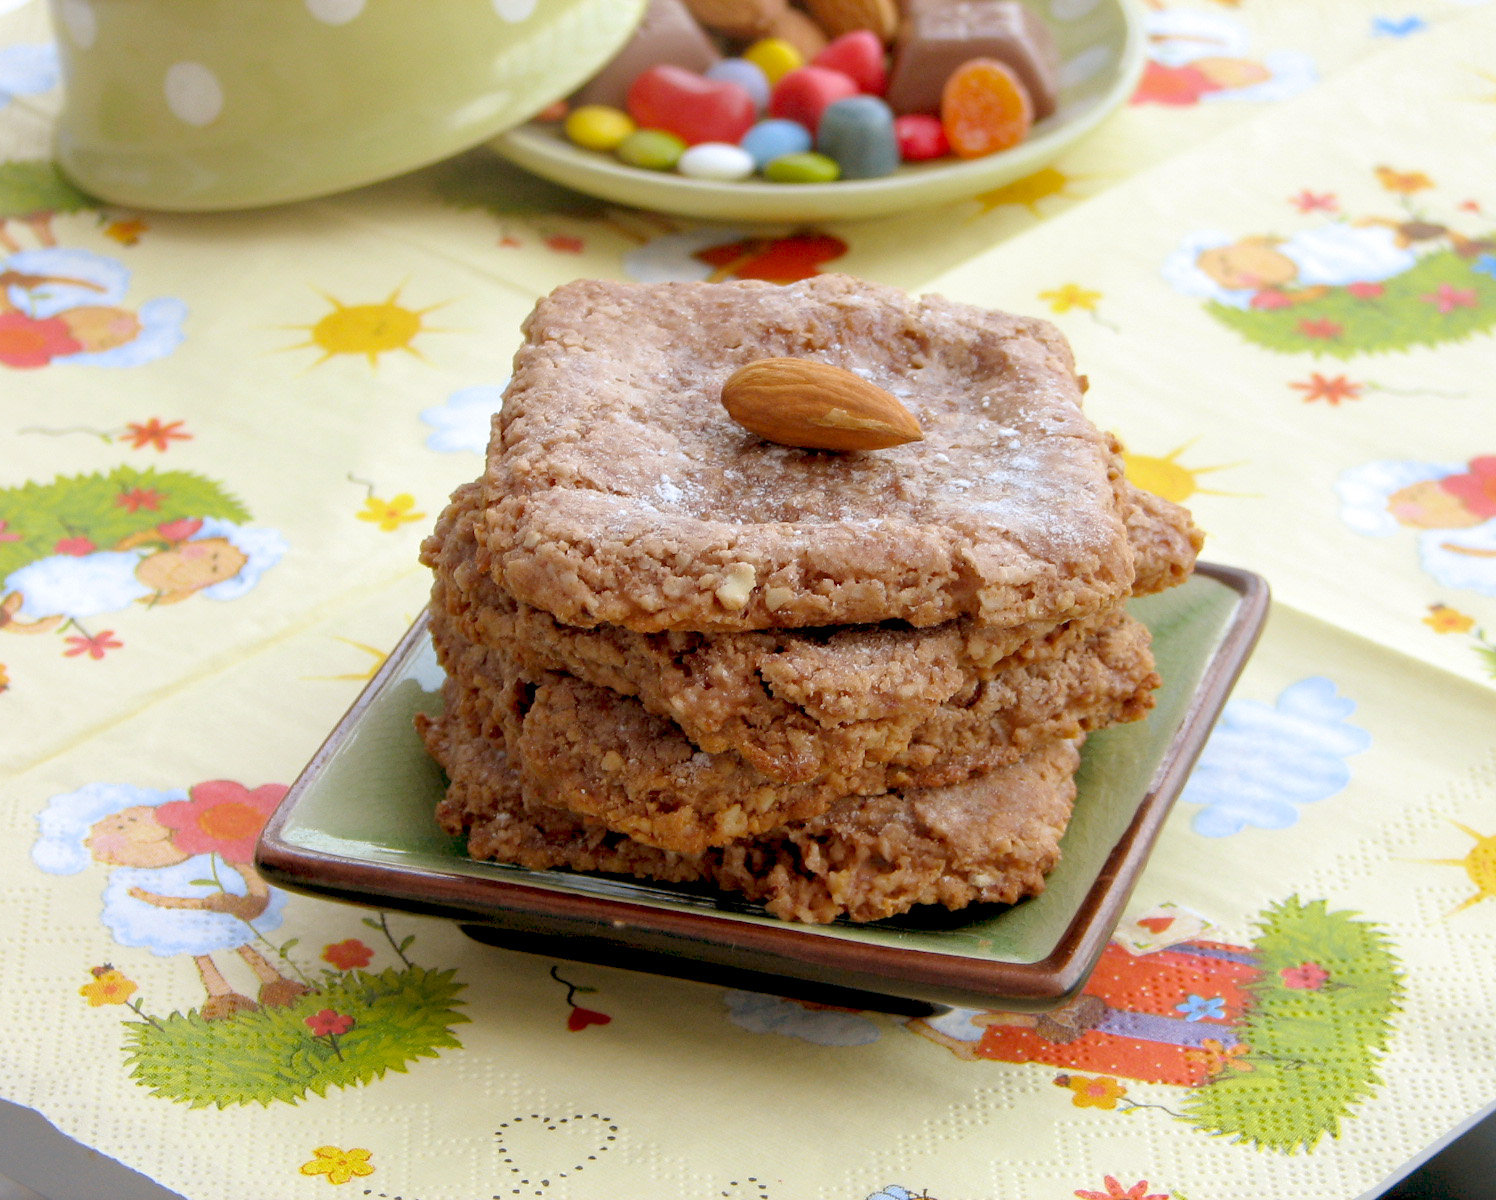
[(691, 106), (805, 93), (921, 137), (859, 55)]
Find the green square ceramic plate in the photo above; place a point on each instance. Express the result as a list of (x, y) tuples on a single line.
[(358, 825), (1102, 49)]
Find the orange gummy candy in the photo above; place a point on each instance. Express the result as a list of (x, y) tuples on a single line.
[(984, 108)]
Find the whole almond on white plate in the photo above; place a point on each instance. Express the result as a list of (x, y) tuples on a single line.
[(813, 405), (837, 17), (797, 28), (738, 18)]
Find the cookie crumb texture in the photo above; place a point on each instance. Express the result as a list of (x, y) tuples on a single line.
[(618, 492)]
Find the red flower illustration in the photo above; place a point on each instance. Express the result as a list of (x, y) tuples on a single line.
[(154, 433), (1320, 327), (1448, 298), (774, 260), (94, 647), (77, 546), (137, 498), (348, 954), (1477, 487), (179, 530), (1366, 291), (1114, 1191), (580, 1018), (28, 342), (1308, 977), (1270, 299), (1174, 86), (220, 817), (6, 535), (1332, 390), (1307, 202), (327, 1023), (564, 244)]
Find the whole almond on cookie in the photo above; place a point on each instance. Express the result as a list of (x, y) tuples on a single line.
[(837, 17), (815, 406)]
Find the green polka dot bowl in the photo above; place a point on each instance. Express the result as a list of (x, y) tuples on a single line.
[(200, 105)]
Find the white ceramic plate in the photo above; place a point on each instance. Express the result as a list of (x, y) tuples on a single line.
[(1101, 44)]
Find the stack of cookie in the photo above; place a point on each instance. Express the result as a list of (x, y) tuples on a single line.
[(840, 684)]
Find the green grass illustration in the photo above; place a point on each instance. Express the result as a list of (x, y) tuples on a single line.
[(272, 1054)]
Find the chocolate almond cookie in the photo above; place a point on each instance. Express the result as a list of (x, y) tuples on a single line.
[(619, 492), (991, 840), (603, 755), (794, 703), (683, 644)]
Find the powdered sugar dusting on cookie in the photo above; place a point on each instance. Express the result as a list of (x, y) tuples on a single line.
[(620, 492)]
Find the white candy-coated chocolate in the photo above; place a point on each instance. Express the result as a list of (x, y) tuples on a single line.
[(718, 161)]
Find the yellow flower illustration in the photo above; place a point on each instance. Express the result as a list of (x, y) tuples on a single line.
[(1215, 1057), (1099, 1092), (109, 986), (127, 232), (1404, 183), (1070, 295), (389, 515), (338, 1165), (1443, 619)]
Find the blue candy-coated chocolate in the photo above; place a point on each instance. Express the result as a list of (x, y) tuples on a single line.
[(775, 138), (747, 75)]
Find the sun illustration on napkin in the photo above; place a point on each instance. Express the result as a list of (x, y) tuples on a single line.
[(1479, 864), (1166, 476), (366, 329)]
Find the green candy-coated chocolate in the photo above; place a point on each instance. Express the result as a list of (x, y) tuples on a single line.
[(653, 149), (808, 167)]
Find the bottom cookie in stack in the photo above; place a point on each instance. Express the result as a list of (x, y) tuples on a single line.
[(990, 839)]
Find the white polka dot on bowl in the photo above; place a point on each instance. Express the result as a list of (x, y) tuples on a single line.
[(334, 12), (193, 93), (514, 10), (79, 19)]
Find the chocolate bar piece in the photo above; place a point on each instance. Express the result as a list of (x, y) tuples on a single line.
[(937, 36), (667, 34)]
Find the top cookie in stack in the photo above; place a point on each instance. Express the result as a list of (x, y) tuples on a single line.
[(679, 650)]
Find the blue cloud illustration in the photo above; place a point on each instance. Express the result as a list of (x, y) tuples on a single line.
[(28, 70), (462, 423), (770, 1014), (1263, 761)]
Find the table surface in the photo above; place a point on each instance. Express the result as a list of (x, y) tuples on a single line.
[(1277, 267)]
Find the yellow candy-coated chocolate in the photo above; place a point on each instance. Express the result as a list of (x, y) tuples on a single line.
[(775, 57), (598, 127)]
